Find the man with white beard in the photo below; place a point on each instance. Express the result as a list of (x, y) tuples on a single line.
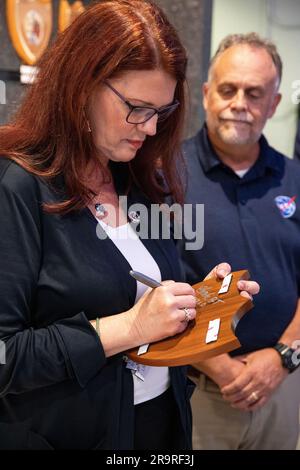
[(248, 399)]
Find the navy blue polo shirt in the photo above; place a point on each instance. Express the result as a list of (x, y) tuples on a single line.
[(253, 223)]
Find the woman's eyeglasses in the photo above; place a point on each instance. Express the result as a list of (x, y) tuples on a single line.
[(141, 114)]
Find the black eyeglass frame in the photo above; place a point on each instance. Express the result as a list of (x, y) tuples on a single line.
[(158, 111)]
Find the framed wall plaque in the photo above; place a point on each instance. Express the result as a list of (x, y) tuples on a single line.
[(191, 346), (68, 13), (30, 26)]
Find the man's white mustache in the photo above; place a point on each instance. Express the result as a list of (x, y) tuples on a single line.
[(240, 118)]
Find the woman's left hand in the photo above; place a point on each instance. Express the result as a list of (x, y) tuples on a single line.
[(247, 288)]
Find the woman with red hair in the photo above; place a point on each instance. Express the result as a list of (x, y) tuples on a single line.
[(103, 120)]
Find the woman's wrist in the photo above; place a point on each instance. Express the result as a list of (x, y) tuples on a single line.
[(118, 332)]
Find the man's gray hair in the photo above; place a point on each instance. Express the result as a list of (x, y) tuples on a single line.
[(252, 40)]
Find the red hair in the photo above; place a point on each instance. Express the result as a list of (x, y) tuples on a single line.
[(49, 137)]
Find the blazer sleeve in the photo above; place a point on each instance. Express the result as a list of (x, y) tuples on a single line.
[(34, 357)]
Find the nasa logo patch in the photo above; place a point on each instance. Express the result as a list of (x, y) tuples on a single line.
[(286, 205)]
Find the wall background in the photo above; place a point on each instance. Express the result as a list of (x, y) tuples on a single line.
[(278, 20), (201, 24), (192, 19)]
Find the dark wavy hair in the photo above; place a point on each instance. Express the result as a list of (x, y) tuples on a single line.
[(48, 136)]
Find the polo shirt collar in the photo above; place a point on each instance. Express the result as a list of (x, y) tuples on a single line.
[(210, 160), (206, 153)]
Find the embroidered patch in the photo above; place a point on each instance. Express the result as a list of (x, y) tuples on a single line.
[(286, 205)]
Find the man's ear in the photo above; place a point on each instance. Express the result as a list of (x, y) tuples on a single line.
[(205, 88), (276, 101)]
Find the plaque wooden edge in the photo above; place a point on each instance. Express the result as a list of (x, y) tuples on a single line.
[(229, 321)]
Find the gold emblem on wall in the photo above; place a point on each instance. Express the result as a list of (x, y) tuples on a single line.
[(30, 26), (68, 13)]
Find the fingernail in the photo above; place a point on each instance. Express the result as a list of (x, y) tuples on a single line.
[(222, 272)]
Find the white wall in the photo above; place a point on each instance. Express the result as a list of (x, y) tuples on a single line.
[(278, 20)]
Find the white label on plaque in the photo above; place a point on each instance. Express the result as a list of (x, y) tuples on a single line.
[(28, 74), (213, 330), (143, 349), (225, 284)]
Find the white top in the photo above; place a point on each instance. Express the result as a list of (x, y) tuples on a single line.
[(149, 382), (241, 173)]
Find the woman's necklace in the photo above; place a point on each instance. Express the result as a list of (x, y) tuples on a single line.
[(100, 207), (100, 210), (111, 208)]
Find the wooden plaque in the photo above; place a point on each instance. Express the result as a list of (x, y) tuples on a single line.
[(68, 13), (190, 346), (30, 26)]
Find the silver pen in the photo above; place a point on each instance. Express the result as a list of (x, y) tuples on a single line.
[(148, 281)]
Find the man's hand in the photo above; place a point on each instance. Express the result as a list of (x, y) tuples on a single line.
[(258, 380), (222, 369), (229, 373), (247, 288)]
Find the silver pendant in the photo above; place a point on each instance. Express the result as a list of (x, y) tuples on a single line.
[(100, 210), (134, 217)]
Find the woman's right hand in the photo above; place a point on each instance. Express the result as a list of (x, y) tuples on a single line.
[(163, 311)]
